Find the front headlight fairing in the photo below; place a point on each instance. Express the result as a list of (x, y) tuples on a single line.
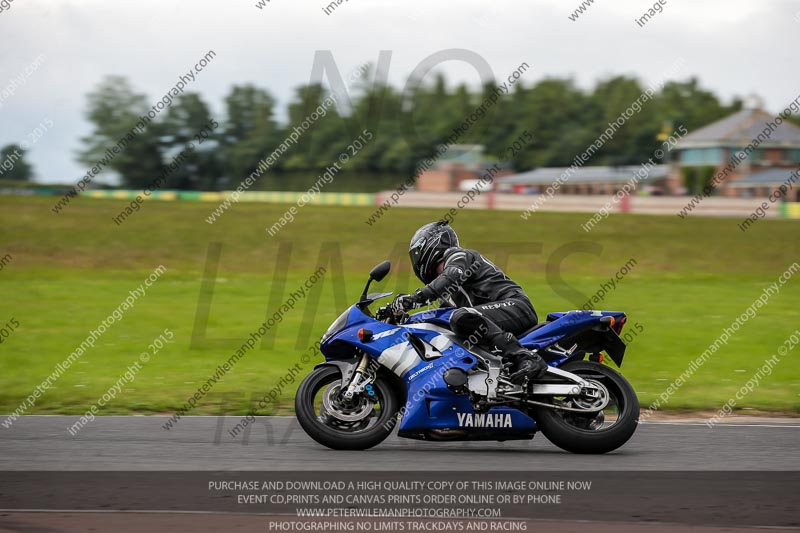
[(337, 325)]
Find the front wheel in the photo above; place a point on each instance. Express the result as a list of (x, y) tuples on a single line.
[(341, 424), (599, 432)]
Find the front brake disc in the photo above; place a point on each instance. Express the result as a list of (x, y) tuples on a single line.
[(346, 413)]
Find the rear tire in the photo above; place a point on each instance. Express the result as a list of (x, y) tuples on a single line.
[(320, 426), (560, 428)]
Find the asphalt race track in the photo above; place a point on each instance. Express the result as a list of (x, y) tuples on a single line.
[(130, 474), (278, 443)]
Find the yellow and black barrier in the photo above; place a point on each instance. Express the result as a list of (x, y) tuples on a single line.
[(275, 197)]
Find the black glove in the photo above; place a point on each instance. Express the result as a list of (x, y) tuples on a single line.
[(402, 303)]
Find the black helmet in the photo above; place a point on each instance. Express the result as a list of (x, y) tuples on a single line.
[(428, 246)]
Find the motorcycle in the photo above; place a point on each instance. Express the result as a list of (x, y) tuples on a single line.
[(384, 367)]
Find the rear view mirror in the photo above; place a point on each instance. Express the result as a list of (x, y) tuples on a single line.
[(376, 274), (380, 271)]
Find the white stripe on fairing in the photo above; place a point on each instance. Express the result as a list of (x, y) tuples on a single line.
[(391, 355), (399, 358), (440, 342), (430, 327), (431, 353), (407, 364)]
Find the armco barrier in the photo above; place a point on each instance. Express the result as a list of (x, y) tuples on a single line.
[(663, 205), (790, 210), (275, 197), (124, 194)]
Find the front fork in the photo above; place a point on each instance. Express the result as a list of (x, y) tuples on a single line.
[(362, 378)]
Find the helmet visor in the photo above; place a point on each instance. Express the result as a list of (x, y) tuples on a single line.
[(415, 254)]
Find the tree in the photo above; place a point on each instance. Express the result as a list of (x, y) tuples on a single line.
[(13, 165), (322, 139), (613, 97), (688, 104), (116, 110), (189, 121), (562, 119), (250, 132), (380, 110)]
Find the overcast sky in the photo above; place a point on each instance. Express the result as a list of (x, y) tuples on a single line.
[(735, 47)]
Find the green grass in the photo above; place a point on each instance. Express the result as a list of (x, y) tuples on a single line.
[(69, 271)]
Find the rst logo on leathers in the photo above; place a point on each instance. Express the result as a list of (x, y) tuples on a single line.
[(484, 420)]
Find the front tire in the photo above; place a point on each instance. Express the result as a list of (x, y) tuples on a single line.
[(376, 415), (579, 433)]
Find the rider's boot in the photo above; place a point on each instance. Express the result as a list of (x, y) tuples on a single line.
[(524, 364), (520, 363)]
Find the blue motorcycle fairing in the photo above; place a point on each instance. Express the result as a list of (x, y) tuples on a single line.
[(558, 326), (431, 404), (562, 325), (389, 344)]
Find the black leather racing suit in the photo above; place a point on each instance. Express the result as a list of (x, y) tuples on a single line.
[(492, 308)]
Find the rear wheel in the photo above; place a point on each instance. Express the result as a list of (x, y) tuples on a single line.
[(597, 432), (336, 422)]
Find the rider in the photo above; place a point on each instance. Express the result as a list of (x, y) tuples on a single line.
[(491, 307)]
